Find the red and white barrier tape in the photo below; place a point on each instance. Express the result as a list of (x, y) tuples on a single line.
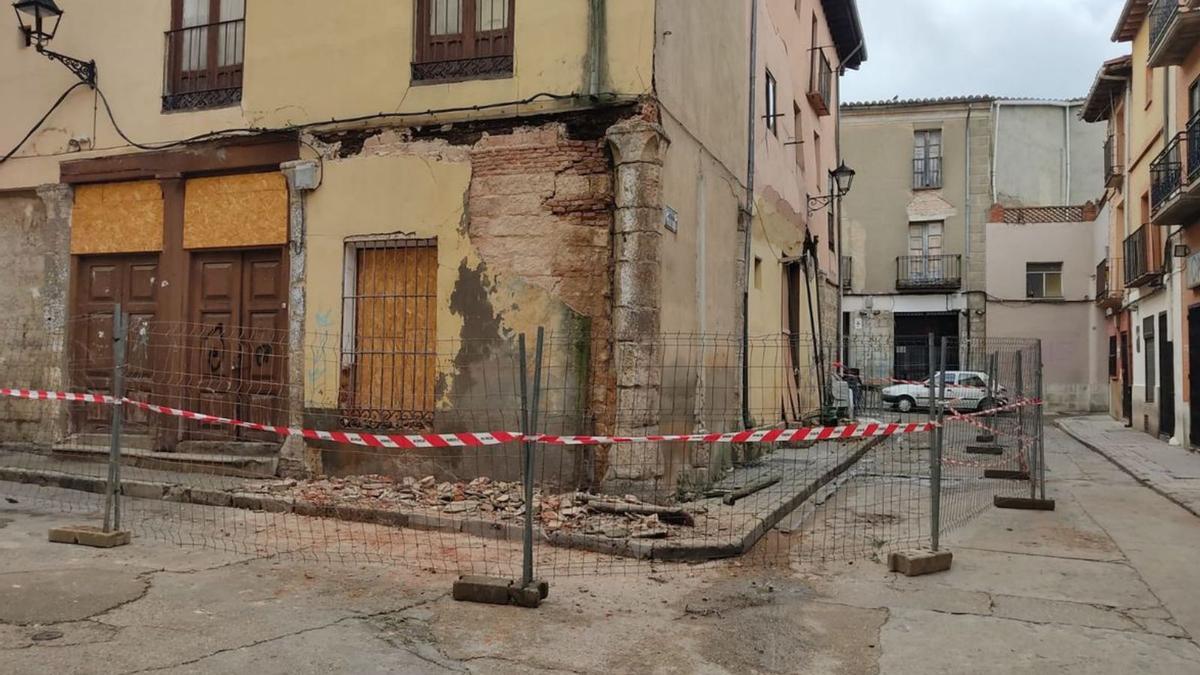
[(761, 436), (476, 439), (39, 395)]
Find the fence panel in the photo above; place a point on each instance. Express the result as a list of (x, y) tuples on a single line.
[(407, 449)]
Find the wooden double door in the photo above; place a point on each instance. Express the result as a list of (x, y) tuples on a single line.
[(237, 350), (228, 357)]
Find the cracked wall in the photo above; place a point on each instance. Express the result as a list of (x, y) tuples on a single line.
[(522, 218)]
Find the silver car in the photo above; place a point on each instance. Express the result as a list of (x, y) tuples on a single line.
[(965, 390)]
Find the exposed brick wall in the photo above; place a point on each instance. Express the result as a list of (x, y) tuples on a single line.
[(540, 208)]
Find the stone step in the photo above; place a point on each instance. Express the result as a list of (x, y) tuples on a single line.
[(97, 439), (183, 462), (232, 448)]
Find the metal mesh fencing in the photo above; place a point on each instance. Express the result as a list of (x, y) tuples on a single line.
[(556, 454)]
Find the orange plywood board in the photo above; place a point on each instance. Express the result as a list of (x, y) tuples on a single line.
[(234, 211), (117, 218)]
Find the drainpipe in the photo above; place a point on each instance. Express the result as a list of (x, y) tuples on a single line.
[(1067, 159), (840, 252), (748, 215), (995, 140), (596, 29), (967, 222)]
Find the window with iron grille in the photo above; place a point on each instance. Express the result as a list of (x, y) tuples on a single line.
[(389, 334), (798, 135), (204, 54), (1043, 280), (463, 39), (927, 159), (772, 104)]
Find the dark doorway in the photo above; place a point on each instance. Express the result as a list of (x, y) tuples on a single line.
[(1126, 380), (1194, 372), (912, 342), (1166, 379)]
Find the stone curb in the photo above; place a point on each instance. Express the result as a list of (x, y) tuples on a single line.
[(1143, 480)]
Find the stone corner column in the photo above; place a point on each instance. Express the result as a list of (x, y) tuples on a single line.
[(295, 457), (58, 200), (637, 147)]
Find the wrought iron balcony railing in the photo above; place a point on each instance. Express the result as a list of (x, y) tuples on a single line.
[(1112, 162), (203, 66), (820, 91), (1140, 266), (1167, 172), (928, 272), (1161, 13), (1109, 286)]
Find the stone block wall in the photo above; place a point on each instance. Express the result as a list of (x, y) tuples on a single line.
[(34, 263)]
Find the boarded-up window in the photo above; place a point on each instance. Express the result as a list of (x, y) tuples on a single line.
[(463, 39), (390, 329)]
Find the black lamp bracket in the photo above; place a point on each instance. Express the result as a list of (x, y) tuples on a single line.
[(84, 70)]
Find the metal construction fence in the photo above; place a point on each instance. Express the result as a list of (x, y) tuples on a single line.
[(539, 454)]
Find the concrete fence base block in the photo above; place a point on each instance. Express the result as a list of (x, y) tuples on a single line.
[(87, 535), (1023, 503), (984, 449), (989, 439), (916, 563), (497, 591), (1006, 474)]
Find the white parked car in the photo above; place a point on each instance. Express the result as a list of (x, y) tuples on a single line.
[(965, 390)]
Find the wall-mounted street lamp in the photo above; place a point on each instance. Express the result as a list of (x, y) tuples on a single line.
[(39, 21), (843, 178)]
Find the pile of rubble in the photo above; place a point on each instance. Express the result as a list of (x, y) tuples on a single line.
[(602, 515)]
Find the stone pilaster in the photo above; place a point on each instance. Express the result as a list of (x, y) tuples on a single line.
[(637, 147), (59, 200), (302, 177)]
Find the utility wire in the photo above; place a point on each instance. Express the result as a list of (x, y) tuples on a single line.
[(40, 122), (246, 131), (291, 128)]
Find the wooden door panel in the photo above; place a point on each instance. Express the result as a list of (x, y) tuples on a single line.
[(212, 347), (102, 282), (239, 309), (264, 360)]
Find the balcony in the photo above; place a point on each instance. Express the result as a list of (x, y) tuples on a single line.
[(1175, 179), (1113, 167), (1174, 29), (928, 272), (820, 91), (204, 66), (1110, 291), (1140, 267), (847, 273)]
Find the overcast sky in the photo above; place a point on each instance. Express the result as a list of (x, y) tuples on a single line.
[(1015, 48)]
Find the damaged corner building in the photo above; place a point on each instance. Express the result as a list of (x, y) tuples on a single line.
[(366, 248)]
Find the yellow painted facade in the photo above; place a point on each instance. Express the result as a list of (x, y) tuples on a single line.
[(303, 64)]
